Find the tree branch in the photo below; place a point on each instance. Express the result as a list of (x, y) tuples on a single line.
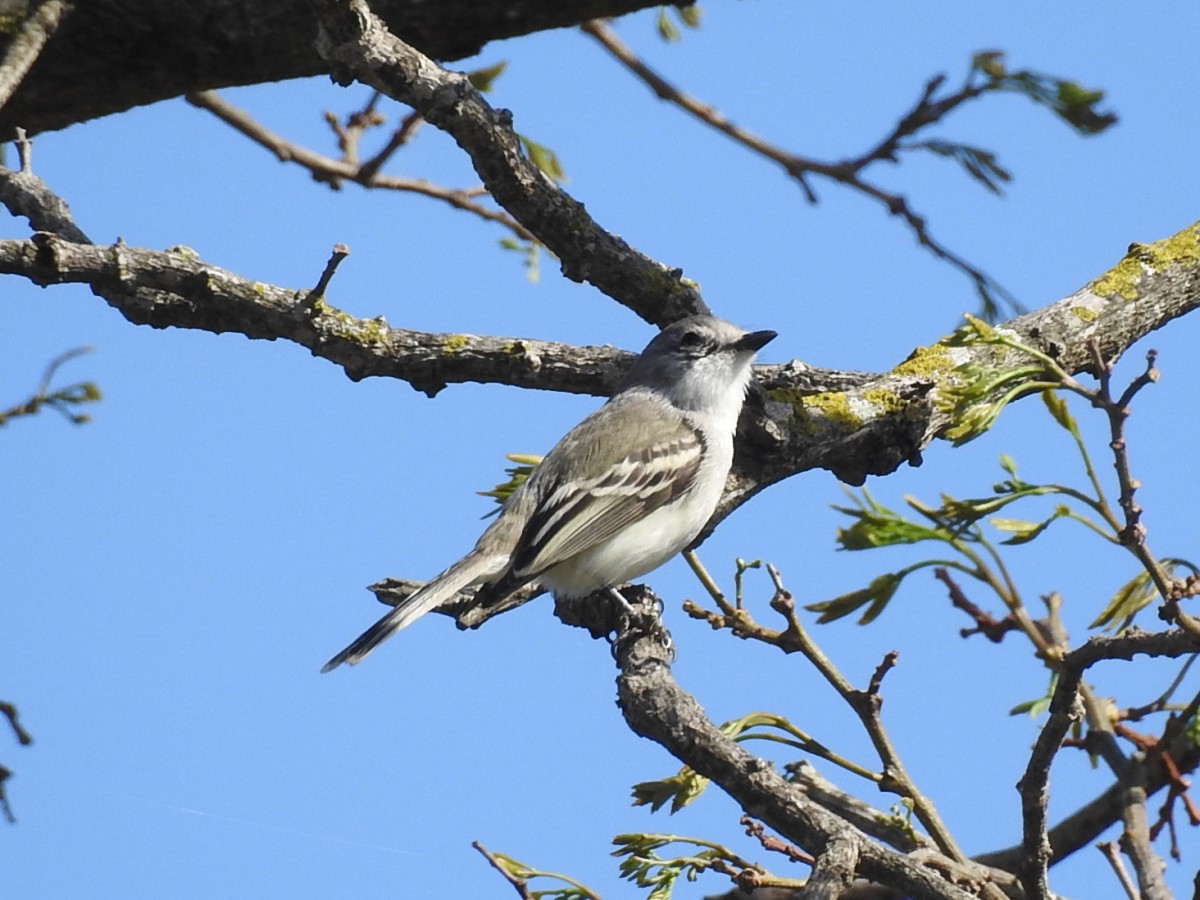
[(112, 55), (875, 427), (1086, 824), (656, 707), (26, 195), (358, 46), (27, 43), (865, 425), (173, 288)]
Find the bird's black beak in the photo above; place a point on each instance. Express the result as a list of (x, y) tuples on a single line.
[(755, 340)]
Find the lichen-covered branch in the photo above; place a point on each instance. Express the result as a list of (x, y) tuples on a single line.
[(876, 426), (174, 288), (852, 424)]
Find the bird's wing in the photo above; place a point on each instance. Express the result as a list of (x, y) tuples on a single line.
[(601, 485)]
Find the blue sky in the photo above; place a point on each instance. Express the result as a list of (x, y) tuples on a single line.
[(179, 568)]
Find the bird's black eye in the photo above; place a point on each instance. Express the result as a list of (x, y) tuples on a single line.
[(692, 341)]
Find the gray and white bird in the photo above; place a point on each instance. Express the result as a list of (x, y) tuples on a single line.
[(624, 491)]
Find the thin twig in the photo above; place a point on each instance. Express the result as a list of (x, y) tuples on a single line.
[(329, 170), (1133, 534), (61, 400), (1135, 842), (773, 844), (1137, 836), (985, 623), (1065, 710), (340, 252), (707, 581), (1159, 703), (5, 807), (846, 172), (24, 194), (1109, 850), (10, 712), (889, 662), (24, 151), (867, 705), (400, 137), (357, 124)]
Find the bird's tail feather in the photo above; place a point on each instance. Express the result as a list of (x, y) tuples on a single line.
[(467, 570)]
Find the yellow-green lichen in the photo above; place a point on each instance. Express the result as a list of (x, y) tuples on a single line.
[(372, 331), (514, 348), (886, 399), (1123, 278), (926, 361), (832, 407), (347, 327), (818, 413), (455, 342), (1084, 314)]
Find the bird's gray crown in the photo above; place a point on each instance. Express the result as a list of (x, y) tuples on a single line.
[(680, 352)]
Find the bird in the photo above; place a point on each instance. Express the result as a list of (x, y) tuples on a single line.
[(621, 493)]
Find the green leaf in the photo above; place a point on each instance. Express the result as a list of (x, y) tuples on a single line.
[(1032, 707), (979, 394), (483, 79), (877, 594), (680, 789), (1074, 104), (1014, 526), (1193, 729), (530, 250), (1024, 532), (517, 475), (642, 864), (1133, 596), (981, 329), (1077, 106), (1009, 465), (1038, 705), (989, 62), (666, 27), (878, 526), (690, 15), (980, 164), (1058, 409), (544, 158), (665, 24)]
